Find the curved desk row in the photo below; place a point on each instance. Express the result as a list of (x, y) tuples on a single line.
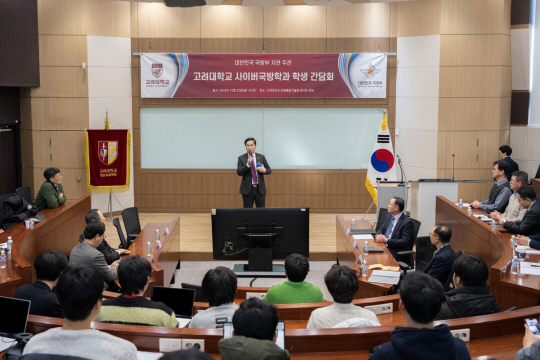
[(59, 230)]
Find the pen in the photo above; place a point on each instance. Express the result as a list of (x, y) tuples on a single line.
[(535, 265)]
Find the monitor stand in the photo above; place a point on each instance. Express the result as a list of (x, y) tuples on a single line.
[(242, 270)]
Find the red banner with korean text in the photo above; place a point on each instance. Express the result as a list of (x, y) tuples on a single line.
[(108, 160), (181, 75)]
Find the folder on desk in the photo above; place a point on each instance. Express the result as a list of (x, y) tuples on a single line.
[(384, 277), (362, 231), (385, 268)]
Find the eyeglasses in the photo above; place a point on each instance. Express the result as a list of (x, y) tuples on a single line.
[(430, 234), (58, 176)]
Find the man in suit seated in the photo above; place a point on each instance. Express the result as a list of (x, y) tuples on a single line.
[(514, 211), (86, 254), (49, 265), (397, 230), (110, 254), (471, 296), (441, 264), (500, 192), (530, 225), (504, 154)]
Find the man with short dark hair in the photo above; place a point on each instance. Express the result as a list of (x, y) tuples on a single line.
[(514, 211), (132, 307), (110, 254), (471, 296), (441, 264), (86, 253), (79, 291), (295, 290), (252, 167), (342, 284), (500, 192), (49, 265), (254, 333), (219, 286), (420, 301), (51, 194), (504, 154), (530, 224), (397, 230)]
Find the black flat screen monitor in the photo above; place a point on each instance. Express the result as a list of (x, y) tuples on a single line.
[(15, 315), (179, 300), (285, 230)]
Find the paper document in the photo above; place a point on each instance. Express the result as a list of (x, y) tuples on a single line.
[(145, 355), (382, 267), (529, 268), (465, 205), (532, 251), (362, 237), (6, 343), (384, 277), (183, 322)]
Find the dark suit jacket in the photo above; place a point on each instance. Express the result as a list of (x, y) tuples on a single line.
[(529, 225), (513, 166), (441, 265), (43, 299), (535, 242), (110, 254), (402, 237), (245, 172)]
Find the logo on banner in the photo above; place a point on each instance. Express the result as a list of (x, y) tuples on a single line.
[(370, 72), (157, 70), (108, 151)]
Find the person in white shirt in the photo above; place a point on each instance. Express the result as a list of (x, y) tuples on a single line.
[(514, 211), (342, 284)]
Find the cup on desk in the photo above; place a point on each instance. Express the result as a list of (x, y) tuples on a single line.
[(520, 252), (27, 223)]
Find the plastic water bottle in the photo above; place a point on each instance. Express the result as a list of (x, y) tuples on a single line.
[(353, 224), (9, 246), (493, 224), (2, 259), (358, 271), (513, 241), (364, 269), (149, 254), (157, 234), (460, 203), (469, 211), (515, 265), (355, 244), (366, 248)]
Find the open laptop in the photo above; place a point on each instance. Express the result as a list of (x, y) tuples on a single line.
[(180, 300), (15, 315)]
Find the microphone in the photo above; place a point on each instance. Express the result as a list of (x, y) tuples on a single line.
[(399, 158)]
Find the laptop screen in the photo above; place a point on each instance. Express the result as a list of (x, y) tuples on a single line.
[(15, 315), (180, 300)]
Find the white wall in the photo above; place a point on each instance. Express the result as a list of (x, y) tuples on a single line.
[(109, 88)]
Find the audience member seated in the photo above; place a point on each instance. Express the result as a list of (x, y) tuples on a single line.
[(51, 194), (86, 253), (49, 265), (441, 264), (530, 224), (219, 286), (421, 297), (531, 346), (342, 284), (110, 254), (79, 291), (471, 296), (397, 230), (514, 211), (504, 154), (191, 354), (254, 333), (500, 192), (295, 290), (532, 241), (132, 307)]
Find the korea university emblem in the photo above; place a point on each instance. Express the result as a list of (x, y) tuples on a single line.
[(108, 152)]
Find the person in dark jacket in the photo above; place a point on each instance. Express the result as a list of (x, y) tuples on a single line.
[(471, 296), (500, 192), (530, 224), (421, 297), (504, 154), (51, 194), (441, 264), (111, 255), (49, 265)]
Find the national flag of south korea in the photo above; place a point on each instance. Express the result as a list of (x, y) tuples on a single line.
[(381, 164)]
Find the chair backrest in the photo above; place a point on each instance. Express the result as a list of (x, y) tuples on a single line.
[(131, 221), (123, 242), (25, 193), (416, 227), (380, 219), (537, 173), (2, 199), (424, 252), (450, 281)]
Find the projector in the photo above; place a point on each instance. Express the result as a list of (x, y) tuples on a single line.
[(184, 3)]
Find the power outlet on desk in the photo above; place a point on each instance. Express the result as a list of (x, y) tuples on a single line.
[(254, 294), (168, 345), (463, 334), (381, 308), (193, 343)]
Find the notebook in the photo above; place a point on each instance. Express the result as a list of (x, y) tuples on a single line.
[(179, 300), (15, 316)]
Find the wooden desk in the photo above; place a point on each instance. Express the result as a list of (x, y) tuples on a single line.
[(474, 237), (58, 231), (536, 187), (165, 258), (348, 255)]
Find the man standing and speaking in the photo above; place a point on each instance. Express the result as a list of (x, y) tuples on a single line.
[(252, 167)]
